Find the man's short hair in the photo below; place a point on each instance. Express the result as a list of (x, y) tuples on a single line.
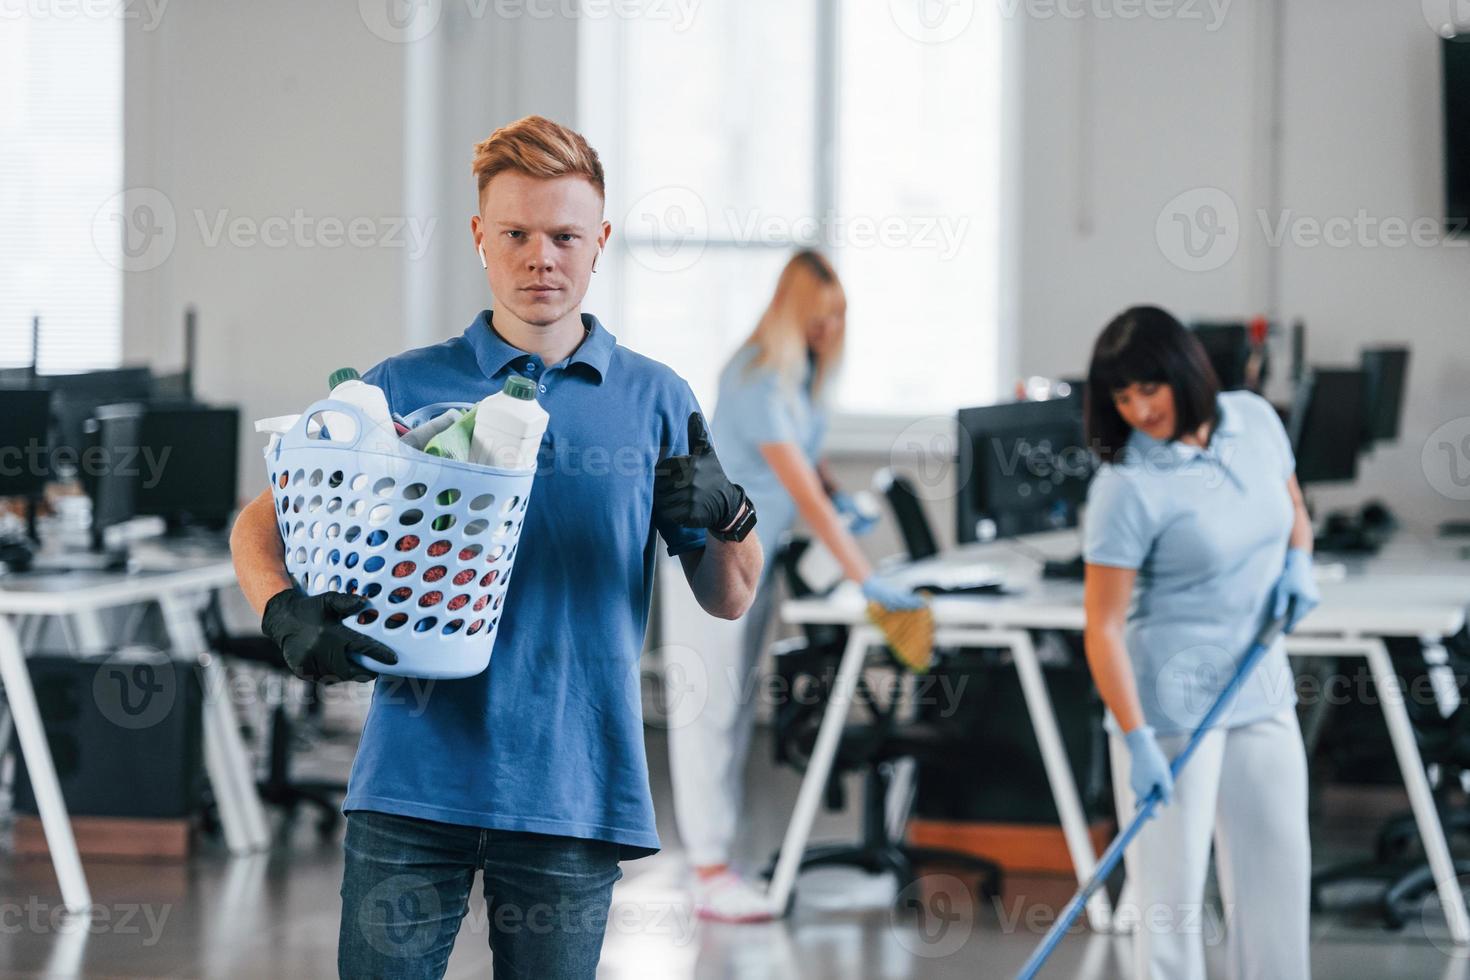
[(540, 148)]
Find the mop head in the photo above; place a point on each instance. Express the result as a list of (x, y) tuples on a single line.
[(909, 632)]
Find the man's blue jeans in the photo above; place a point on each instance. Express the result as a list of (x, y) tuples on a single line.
[(406, 887)]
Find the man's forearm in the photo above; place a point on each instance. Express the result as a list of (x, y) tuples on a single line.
[(255, 546), (726, 576)]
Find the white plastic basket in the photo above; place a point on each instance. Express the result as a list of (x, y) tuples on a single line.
[(429, 542)]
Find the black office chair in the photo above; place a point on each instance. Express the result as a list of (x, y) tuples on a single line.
[(1444, 745), (807, 666), (908, 511), (278, 787)]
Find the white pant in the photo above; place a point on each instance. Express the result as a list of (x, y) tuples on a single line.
[(712, 682), (1248, 786)]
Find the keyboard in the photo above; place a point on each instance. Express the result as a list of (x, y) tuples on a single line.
[(976, 579)]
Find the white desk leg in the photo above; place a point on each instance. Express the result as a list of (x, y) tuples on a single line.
[(29, 628), (225, 756), (217, 764), (819, 766), (90, 635), (1059, 773), (32, 736), (1421, 799), (900, 799)]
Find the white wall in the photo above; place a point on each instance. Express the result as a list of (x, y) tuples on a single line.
[(1169, 106), (1363, 131), (257, 110), (253, 111), (265, 108)]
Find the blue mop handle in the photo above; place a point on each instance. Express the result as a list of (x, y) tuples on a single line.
[(1114, 853)]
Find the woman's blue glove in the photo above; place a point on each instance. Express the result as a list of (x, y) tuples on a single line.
[(891, 596), (1150, 768), (1295, 589), (858, 523)]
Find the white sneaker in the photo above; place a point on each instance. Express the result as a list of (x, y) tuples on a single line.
[(727, 897)]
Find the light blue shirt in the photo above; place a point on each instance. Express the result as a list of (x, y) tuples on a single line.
[(1207, 530), (755, 405)]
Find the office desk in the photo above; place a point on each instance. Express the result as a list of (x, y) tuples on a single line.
[(1417, 586), (177, 583)]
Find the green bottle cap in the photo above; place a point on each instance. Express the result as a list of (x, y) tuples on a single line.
[(519, 387), (340, 375)]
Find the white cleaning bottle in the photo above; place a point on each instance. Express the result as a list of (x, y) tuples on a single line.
[(508, 426), (347, 386), (277, 426)]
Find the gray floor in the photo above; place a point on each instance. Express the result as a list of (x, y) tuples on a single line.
[(275, 915)]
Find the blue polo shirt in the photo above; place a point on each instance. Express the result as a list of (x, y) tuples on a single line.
[(549, 738), (1207, 530), (755, 405)]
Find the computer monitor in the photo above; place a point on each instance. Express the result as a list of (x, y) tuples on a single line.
[(172, 386), (17, 377), (1385, 370), (25, 418), (178, 461), (1027, 468), (1229, 349), (190, 459), (76, 398), (111, 475), (1326, 425)]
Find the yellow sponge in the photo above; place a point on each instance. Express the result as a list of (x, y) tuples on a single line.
[(909, 632)]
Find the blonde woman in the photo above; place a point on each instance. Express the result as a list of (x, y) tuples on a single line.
[(769, 423)]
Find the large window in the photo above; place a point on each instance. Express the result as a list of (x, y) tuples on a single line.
[(60, 171), (758, 127)]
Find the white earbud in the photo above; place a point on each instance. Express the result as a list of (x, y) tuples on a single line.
[(483, 263), (596, 257)]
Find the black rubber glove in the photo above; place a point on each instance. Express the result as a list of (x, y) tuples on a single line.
[(315, 642), (692, 490)]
